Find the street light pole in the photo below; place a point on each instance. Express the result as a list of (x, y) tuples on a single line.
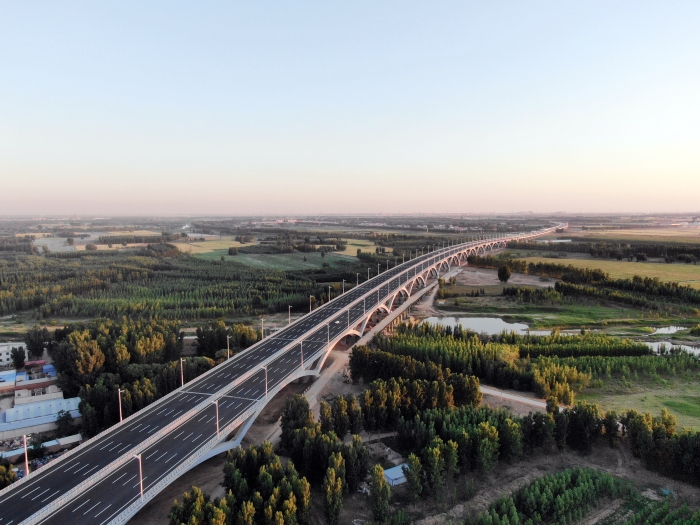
[(368, 274), (329, 294), (378, 270), (265, 367), (358, 280), (289, 319), (138, 456), (119, 397), (262, 330), (26, 457), (343, 285), (228, 347), (216, 404), (182, 374)]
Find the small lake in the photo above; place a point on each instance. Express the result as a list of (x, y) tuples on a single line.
[(668, 330), (656, 345), (489, 325)]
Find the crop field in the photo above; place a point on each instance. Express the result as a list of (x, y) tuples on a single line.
[(277, 261), (679, 235), (687, 274)]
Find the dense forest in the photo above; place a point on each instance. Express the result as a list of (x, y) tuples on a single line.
[(179, 287)]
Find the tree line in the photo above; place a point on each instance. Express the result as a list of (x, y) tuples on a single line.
[(547, 365), (619, 250), (637, 291)]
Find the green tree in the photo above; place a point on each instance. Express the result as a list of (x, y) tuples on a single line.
[(192, 510), (381, 494), (611, 425), (246, 516), (356, 463), (413, 470), (64, 424), (326, 417), (332, 496), (435, 466), (337, 463), (90, 424), (18, 356), (584, 426), (341, 419), (36, 339), (296, 414), (354, 415), (487, 448), (504, 273), (450, 451), (7, 476), (211, 337)]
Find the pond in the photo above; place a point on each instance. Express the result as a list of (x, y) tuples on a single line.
[(655, 346), (489, 325), (668, 330)]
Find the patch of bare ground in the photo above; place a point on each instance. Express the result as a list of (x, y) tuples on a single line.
[(520, 409), (471, 276), (425, 306)]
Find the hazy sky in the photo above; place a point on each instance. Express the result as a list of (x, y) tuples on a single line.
[(336, 107)]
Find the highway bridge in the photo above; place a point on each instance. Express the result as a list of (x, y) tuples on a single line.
[(111, 476)]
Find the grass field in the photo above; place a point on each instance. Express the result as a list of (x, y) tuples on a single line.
[(679, 235), (687, 274), (209, 246), (355, 244), (680, 396), (281, 261)]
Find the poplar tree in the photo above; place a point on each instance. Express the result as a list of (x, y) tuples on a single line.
[(381, 493), (332, 496)]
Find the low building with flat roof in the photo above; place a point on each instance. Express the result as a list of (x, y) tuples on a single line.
[(395, 476)]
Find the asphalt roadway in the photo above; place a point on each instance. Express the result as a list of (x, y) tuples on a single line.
[(105, 499)]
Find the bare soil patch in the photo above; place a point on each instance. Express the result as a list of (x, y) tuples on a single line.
[(472, 276)]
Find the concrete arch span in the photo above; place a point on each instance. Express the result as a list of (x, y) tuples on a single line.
[(403, 293)]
